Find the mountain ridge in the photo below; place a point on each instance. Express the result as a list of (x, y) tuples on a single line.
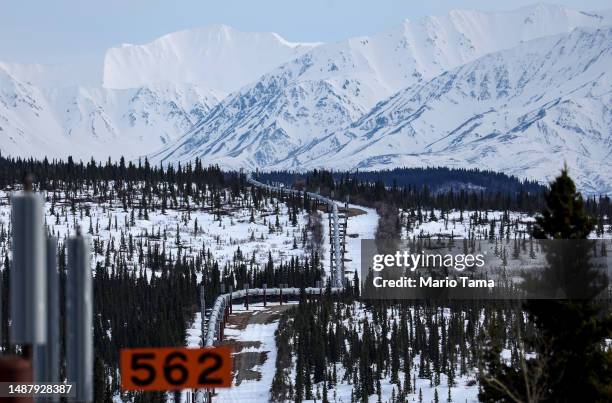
[(218, 57), (276, 122), (358, 144), (205, 93)]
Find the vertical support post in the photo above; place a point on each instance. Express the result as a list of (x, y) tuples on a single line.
[(28, 277), (231, 288), (226, 312), (221, 321), (79, 304), (53, 312), (281, 294), (264, 294), (224, 315), (339, 280), (330, 225), (1, 305), (344, 229), (203, 328), (47, 357), (246, 296), (27, 303), (218, 329), (203, 313)]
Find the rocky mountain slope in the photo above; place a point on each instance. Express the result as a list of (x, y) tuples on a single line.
[(151, 95), (314, 111), (519, 91), (523, 111)]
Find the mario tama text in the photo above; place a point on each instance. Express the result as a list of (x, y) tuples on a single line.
[(484, 269), (432, 282)]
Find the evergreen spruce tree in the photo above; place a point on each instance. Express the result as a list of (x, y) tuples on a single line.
[(572, 330), (570, 362), (99, 379)]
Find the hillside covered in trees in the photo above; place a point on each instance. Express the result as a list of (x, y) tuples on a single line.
[(160, 233)]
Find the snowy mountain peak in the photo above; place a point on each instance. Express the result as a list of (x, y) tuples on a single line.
[(522, 111), (217, 57), (465, 89), (302, 113)]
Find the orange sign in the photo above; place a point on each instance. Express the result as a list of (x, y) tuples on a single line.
[(175, 368)]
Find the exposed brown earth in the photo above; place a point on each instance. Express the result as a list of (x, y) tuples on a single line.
[(244, 362)]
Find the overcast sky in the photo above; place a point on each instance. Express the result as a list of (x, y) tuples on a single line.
[(56, 31)]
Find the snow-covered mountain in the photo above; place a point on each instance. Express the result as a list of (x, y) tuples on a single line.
[(99, 122), (465, 89), (151, 95), (297, 115), (217, 57), (523, 111)]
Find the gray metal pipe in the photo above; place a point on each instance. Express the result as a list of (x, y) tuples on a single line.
[(28, 288), (337, 272), (79, 309), (216, 315), (47, 357)]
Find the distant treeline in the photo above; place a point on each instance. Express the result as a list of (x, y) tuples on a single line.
[(436, 179), (440, 188), (443, 188), (13, 170)]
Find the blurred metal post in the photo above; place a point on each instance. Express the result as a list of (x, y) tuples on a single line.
[(28, 277), (46, 357), (79, 308), (203, 313), (339, 273), (221, 319), (264, 294), (231, 288), (281, 293), (246, 296), (224, 302), (1, 305)]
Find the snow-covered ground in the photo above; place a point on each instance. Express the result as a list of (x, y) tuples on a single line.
[(261, 334), (109, 223), (362, 226), (194, 333), (461, 392), (251, 390), (463, 224), (465, 389)]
